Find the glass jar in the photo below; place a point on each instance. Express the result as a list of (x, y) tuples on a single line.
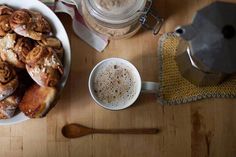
[(117, 19)]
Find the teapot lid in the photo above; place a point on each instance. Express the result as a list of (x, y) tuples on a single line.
[(212, 37)]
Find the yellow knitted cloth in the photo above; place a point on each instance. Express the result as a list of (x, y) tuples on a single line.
[(174, 89)]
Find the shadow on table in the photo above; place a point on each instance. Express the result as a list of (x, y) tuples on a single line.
[(147, 63)]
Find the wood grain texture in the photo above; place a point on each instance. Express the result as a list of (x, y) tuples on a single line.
[(202, 129)]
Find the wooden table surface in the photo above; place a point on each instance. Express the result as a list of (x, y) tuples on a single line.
[(202, 129)]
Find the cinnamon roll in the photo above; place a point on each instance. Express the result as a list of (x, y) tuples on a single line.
[(4, 25), (54, 44), (5, 13), (5, 10), (14, 49), (8, 80), (37, 101), (9, 105), (29, 24), (22, 47), (30, 63), (44, 67), (40, 24)]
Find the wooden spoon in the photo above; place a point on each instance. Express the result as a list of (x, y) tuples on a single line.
[(77, 130)]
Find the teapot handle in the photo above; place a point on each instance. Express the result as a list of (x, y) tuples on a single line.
[(187, 32)]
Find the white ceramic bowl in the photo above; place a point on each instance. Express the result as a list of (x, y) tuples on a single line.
[(59, 32)]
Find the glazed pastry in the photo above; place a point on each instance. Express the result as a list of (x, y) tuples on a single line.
[(53, 43), (5, 13), (8, 80), (40, 24), (50, 42), (37, 101), (8, 41), (5, 10), (13, 50), (9, 105), (29, 24), (44, 67), (22, 47), (28, 53)]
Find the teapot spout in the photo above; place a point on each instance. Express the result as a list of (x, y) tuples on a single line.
[(186, 32)]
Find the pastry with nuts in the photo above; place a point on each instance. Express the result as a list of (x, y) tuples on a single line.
[(29, 24), (44, 66), (14, 48), (5, 13), (31, 66), (8, 80)]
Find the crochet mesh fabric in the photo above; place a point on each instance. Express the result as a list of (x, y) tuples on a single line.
[(174, 89)]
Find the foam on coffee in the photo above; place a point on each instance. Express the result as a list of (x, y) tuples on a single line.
[(114, 84)]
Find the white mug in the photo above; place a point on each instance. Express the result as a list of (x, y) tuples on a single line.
[(147, 87)]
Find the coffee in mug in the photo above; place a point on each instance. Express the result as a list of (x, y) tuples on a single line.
[(116, 84)]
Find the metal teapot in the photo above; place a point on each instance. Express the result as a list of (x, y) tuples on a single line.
[(211, 38)]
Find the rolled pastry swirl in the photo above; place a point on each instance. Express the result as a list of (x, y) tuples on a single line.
[(13, 49), (5, 13), (8, 80), (53, 43), (44, 66), (29, 24), (5, 10), (22, 47), (39, 23), (9, 105)]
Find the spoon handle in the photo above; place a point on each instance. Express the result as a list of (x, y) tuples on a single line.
[(126, 131)]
